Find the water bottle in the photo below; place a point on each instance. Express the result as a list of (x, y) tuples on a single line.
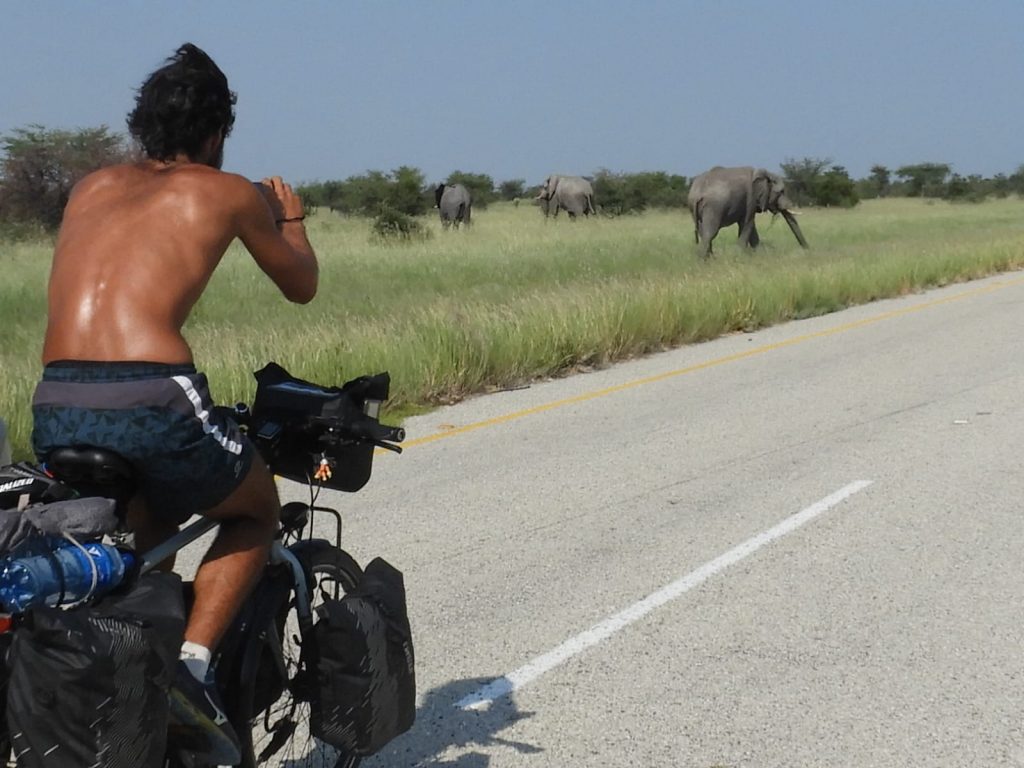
[(88, 570)]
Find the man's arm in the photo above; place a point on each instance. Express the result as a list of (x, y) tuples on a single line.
[(270, 227)]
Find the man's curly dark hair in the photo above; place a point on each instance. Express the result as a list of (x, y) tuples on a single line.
[(181, 105)]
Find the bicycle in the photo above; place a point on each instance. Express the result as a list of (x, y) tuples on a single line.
[(260, 668)]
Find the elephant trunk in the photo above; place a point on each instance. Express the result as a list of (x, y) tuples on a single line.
[(791, 220)]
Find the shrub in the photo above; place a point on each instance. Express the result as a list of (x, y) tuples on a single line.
[(512, 189), (835, 188), (802, 178), (403, 190), (808, 183), (390, 225), (621, 193)]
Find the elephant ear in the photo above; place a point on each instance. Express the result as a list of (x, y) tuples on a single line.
[(762, 190), (552, 186)]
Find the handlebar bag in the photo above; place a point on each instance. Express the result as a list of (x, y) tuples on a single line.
[(88, 686), (364, 693), (290, 419)]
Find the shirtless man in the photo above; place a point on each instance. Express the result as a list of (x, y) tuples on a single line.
[(137, 246)]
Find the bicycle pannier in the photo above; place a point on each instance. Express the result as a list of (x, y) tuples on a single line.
[(88, 686), (364, 693)]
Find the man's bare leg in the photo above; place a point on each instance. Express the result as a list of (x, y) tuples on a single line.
[(149, 530), (249, 519)]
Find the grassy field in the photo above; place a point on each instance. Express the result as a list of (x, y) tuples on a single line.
[(517, 298)]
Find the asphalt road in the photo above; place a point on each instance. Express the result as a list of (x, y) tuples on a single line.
[(882, 627)]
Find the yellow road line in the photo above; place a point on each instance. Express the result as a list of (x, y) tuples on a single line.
[(708, 364)]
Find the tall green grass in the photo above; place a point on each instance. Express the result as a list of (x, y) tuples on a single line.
[(517, 297)]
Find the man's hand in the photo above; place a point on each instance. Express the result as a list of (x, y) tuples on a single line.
[(283, 201)]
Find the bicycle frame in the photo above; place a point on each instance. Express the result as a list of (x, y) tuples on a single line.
[(279, 555)]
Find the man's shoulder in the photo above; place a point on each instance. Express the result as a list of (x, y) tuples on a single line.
[(208, 174), (226, 186), (110, 174)]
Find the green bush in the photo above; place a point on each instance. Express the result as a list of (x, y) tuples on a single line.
[(513, 189), (620, 193), (390, 225), (809, 183), (403, 190), (835, 188)]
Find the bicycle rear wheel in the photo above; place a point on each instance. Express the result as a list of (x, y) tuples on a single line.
[(280, 735)]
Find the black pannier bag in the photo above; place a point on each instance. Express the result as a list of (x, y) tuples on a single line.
[(283, 399), (88, 686), (361, 658)]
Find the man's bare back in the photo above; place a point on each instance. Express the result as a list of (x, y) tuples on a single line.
[(138, 245)]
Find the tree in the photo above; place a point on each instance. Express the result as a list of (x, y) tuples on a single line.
[(1000, 185), (408, 191), (835, 188), (40, 166), (957, 188), (924, 179), (512, 189), (880, 180), (1015, 183), (403, 190), (802, 177), (619, 193)]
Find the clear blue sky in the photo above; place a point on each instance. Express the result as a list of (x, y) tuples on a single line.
[(518, 90)]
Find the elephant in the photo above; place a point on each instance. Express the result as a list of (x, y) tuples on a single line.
[(572, 194), (722, 197), (454, 203)]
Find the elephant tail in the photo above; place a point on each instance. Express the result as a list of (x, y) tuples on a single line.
[(697, 214)]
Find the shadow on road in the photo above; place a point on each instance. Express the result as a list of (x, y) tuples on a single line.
[(441, 727)]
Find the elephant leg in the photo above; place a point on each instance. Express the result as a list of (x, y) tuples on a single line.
[(709, 226), (754, 239), (745, 230)]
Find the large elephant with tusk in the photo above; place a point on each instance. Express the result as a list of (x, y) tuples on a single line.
[(722, 197)]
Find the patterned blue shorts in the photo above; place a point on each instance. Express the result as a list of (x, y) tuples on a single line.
[(159, 417)]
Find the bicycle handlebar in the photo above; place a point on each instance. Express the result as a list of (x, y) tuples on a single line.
[(368, 430), (363, 430)]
